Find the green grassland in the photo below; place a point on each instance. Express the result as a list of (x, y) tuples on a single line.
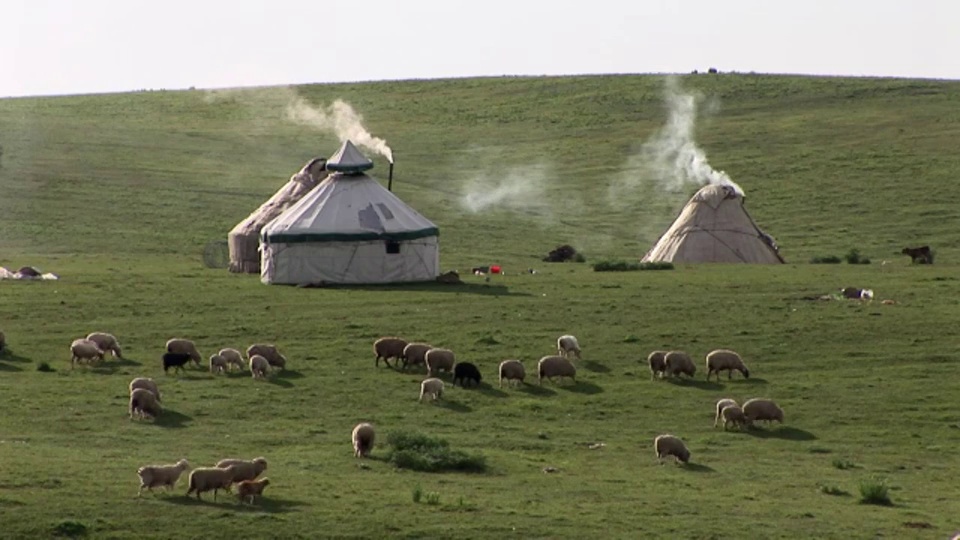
[(121, 194)]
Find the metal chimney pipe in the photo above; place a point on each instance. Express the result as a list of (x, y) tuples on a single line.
[(390, 178)]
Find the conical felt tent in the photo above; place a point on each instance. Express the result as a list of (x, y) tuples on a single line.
[(714, 226), (350, 230), (244, 239)]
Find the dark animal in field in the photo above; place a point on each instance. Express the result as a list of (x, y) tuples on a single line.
[(465, 371), (174, 360), (919, 255)]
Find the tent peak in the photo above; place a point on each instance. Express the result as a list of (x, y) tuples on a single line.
[(348, 159)]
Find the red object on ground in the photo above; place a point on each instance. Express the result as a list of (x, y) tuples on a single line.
[(495, 269)]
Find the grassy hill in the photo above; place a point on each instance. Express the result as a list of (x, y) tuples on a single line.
[(121, 194)]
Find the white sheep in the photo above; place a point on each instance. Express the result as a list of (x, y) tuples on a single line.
[(244, 469), (669, 445), (415, 354), (233, 358), (555, 366), (152, 476), (678, 362), (387, 348), (211, 479), (568, 344), (146, 383), (658, 364), (363, 438), (733, 414), (725, 360), (251, 489), (143, 404), (432, 387), (762, 409), (438, 360), (259, 366), (218, 364), (511, 371), (106, 342), (185, 346), (84, 349), (270, 352), (725, 402)]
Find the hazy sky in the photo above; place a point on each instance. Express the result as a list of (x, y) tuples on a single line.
[(86, 46)]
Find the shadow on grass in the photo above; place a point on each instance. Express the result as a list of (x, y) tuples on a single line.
[(122, 362), (582, 387), (171, 419), (288, 374), (276, 380), (489, 390), (10, 356), (536, 390), (695, 383), (455, 406), (9, 367), (781, 432), (596, 367), (462, 288), (697, 467), (229, 501)]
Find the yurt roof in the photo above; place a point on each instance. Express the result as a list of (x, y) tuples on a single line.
[(348, 159)]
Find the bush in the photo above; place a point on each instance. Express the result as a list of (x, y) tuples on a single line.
[(625, 266), (43, 366), (831, 490), (417, 493), (875, 491), (853, 257), (71, 529), (843, 464), (829, 259), (419, 452)]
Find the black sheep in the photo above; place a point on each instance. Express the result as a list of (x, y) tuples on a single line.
[(175, 360), (465, 371)]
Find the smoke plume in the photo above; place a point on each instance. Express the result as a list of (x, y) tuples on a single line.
[(522, 190), (340, 118)]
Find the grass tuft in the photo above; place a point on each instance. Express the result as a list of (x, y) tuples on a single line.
[(875, 491), (419, 452)]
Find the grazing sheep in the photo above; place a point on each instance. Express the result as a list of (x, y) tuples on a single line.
[(669, 445), (466, 371), (762, 409), (512, 370), (211, 479), (677, 362), (251, 489), (244, 469), (259, 366), (658, 364), (415, 354), (438, 360), (143, 403), (733, 414), (721, 404), (184, 346), (363, 437), (107, 342), (555, 366), (432, 387), (175, 360), (84, 349), (218, 364), (152, 476), (568, 344), (387, 348), (147, 384), (270, 352), (233, 358), (724, 359)]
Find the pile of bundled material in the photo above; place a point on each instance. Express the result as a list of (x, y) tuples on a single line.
[(26, 272)]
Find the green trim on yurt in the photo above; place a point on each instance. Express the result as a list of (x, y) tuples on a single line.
[(302, 238)]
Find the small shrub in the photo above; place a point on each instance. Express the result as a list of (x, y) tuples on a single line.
[(631, 339), (419, 452), (45, 367), (843, 464), (875, 491), (579, 258), (70, 529), (831, 490), (829, 259), (626, 266), (853, 257), (433, 498), (417, 493)]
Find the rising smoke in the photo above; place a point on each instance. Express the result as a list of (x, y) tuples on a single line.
[(340, 118), (517, 189)]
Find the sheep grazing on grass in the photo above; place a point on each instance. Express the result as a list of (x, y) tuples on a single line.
[(669, 445), (438, 360), (144, 404), (725, 360), (658, 364), (84, 350), (415, 354), (363, 438), (147, 384), (465, 371), (233, 358), (511, 371), (251, 489), (259, 366), (733, 414), (107, 342), (270, 352), (553, 367), (762, 409), (152, 476), (213, 479), (175, 360), (387, 348), (184, 346), (218, 364), (432, 387), (244, 469), (677, 362), (567, 345), (721, 404)]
